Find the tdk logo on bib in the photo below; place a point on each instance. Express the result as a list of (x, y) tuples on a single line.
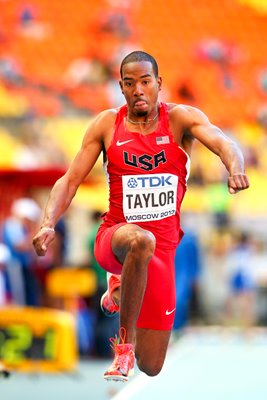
[(149, 197), (132, 183), (150, 181)]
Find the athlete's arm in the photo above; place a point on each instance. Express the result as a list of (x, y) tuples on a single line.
[(198, 125), (66, 187)]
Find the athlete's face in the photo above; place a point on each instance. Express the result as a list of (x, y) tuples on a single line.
[(140, 87)]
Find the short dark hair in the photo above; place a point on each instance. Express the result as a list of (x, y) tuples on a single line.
[(137, 56)]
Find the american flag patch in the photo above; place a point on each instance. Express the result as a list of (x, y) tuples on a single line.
[(162, 140)]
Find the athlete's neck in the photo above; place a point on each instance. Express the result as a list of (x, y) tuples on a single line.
[(143, 120), (146, 122)]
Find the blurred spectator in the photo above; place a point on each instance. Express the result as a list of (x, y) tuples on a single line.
[(188, 266), (185, 93), (17, 233), (259, 261), (115, 21), (54, 258), (251, 157), (5, 290), (85, 70), (29, 23), (218, 200), (223, 54), (241, 301), (85, 328), (103, 327), (27, 15), (100, 272), (218, 51), (10, 70), (60, 243), (214, 285)]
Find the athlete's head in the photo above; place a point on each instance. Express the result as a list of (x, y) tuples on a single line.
[(140, 82), (138, 56)]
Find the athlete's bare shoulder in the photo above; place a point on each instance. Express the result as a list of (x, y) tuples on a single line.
[(182, 119), (101, 128), (106, 116), (102, 123), (177, 107), (185, 113)]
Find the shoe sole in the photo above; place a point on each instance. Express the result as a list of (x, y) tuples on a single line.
[(105, 311), (119, 378)]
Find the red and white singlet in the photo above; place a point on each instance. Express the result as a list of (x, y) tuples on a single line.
[(147, 177)]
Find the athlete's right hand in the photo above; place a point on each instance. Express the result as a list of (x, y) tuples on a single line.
[(237, 182), (42, 240)]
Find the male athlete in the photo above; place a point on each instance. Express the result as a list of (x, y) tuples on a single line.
[(146, 146)]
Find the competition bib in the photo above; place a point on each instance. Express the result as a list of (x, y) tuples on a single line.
[(149, 197)]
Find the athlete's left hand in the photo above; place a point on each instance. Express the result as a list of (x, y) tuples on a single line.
[(237, 182)]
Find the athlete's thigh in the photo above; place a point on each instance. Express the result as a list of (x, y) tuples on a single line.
[(122, 238), (151, 348), (159, 303)]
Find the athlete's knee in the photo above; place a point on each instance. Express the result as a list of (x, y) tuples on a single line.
[(142, 241), (150, 368)]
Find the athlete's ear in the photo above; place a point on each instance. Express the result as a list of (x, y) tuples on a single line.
[(120, 82), (159, 82)]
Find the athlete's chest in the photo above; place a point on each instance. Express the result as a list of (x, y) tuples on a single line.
[(147, 174), (133, 151)]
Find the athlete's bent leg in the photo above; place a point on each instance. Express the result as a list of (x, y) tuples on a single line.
[(147, 299), (150, 349), (134, 248)]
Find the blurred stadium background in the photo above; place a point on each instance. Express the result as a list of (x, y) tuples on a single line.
[(59, 66)]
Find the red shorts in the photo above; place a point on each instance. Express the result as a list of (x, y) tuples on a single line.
[(158, 308)]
